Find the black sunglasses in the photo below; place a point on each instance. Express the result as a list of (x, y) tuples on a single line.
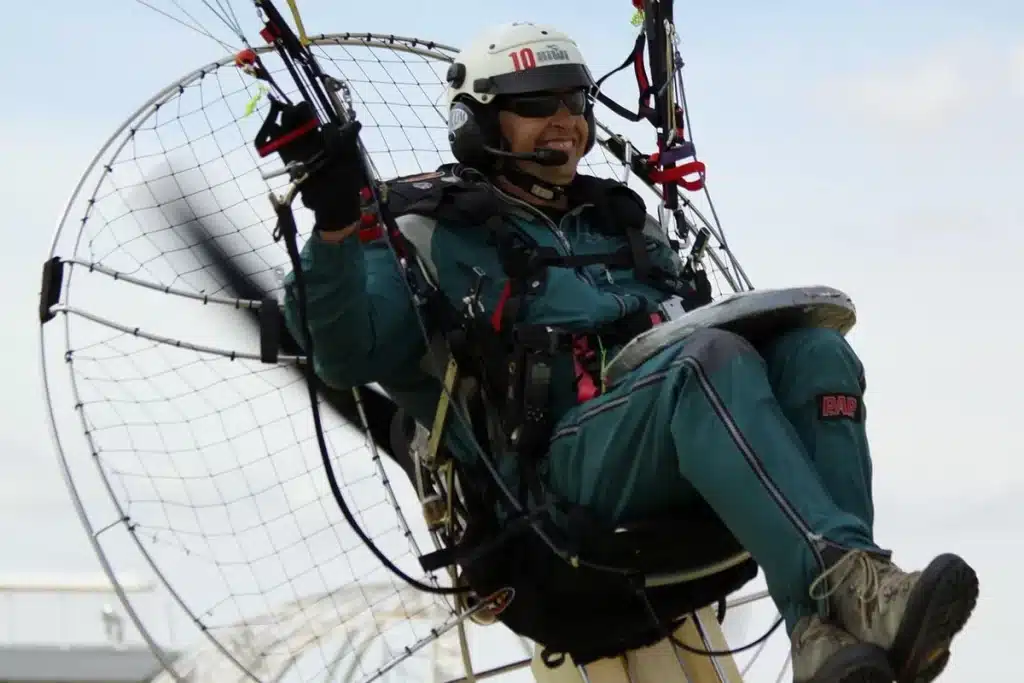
[(544, 104)]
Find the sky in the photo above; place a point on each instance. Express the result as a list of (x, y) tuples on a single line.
[(869, 146)]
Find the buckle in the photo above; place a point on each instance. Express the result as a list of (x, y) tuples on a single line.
[(541, 338)]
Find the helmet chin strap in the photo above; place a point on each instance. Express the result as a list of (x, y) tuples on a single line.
[(537, 187), (528, 182)]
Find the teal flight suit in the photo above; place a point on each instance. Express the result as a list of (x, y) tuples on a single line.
[(754, 431)]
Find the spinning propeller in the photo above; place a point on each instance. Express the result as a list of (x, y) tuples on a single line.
[(379, 409)]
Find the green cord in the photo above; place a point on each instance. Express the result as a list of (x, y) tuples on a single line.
[(250, 107)]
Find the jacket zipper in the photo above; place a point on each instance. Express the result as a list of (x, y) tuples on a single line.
[(559, 237), (564, 241)]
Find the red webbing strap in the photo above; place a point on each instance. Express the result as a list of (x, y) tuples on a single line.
[(677, 174)]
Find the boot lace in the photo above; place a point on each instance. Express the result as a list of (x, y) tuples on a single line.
[(866, 591)]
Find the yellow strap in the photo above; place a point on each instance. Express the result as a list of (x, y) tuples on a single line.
[(450, 375), (303, 38)]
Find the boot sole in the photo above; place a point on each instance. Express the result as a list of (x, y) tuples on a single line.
[(937, 610), (860, 663)]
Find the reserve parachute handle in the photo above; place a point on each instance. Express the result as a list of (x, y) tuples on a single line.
[(181, 409)]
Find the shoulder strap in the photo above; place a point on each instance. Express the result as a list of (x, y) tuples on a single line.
[(446, 196), (443, 195), (618, 209)]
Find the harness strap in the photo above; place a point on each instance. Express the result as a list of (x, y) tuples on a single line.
[(583, 360), (641, 259), (512, 361), (645, 112), (588, 362), (467, 553)]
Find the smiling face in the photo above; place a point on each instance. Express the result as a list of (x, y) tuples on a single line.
[(527, 122)]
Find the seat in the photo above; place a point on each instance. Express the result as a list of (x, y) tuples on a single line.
[(658, 550), (651, 546), (621, 650), (683, 562)]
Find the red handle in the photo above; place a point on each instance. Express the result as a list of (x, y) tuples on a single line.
[(676, 175)]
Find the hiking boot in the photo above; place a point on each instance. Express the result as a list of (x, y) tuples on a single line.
[(823, 653), (912, 616)]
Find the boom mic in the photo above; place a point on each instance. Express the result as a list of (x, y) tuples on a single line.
[(542, 155), (545, 156)]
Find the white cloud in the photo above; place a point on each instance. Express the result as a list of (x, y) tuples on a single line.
[(931, 91), (928, 93)]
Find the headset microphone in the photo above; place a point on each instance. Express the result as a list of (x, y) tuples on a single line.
[(542, 155), (550, 157)]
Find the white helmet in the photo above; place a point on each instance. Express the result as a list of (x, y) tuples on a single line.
[(517, 58), (508, 59)]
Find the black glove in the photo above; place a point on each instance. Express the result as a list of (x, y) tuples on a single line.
[(330, 155)]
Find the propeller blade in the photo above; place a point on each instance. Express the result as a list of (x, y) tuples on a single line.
[(379, 409)]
